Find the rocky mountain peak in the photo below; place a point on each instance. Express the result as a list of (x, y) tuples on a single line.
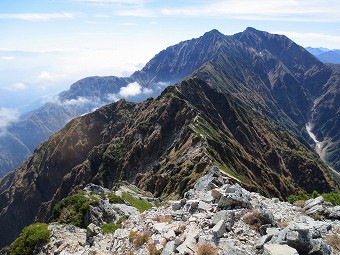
[(213, 34)]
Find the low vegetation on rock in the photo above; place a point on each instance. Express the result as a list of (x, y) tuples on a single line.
[(71, 210), (332, 197), (112, 227), (30, 237), (141, 238), (206, 249), (113, 198), (140, 204)]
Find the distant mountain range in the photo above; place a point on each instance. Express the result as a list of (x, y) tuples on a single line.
[(240, 103), (326, 55)]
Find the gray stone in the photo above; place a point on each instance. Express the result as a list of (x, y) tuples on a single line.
[(335, 212), (263, 229), (267, 217), (188, 246), (191, 205), (92, 230), (216, 193), (123, 209), (101, 213), (313, 202), (169, 248), (298, 236), (219, 229), (170, 235), (95, 188), (233, 188), (275, 200), (176, 205), (204, 206), (273, 231), (320, 247), (234, 200), (235, 197), (264, 239), (227, 215), (228, 247), (70, 228), (279, 249), (160, 227), (220, 215), (317, 209)]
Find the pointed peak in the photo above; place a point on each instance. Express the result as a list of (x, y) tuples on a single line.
[(251, 30), (213, 32)]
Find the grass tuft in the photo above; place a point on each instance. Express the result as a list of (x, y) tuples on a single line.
[(206, 249), (140, 204)]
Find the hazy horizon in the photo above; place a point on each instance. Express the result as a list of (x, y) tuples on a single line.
[(48, 45)]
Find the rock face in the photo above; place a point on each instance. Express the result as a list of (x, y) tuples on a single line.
[(183, 231), (242, 109)]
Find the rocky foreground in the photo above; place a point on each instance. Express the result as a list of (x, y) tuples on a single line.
[(215, 217)]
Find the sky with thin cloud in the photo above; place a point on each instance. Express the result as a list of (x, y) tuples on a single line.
[(46, 45)]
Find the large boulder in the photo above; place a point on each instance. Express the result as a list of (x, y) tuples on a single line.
[(234, 197)]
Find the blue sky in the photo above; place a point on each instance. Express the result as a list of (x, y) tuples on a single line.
[(46, 45)]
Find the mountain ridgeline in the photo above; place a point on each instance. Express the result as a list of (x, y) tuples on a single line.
[(240, 103)]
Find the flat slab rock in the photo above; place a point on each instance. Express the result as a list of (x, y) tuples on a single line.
[(279, 249)]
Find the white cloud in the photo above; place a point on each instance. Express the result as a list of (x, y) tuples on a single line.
[(132, 89), (7, 58), (37, 16), (45, 76), (285, 10), (17, 86), (112, 97), (71, 102), (129, 24), (312, 39), (100, 15), (136, 13), (130, 2), (7, 117), (76, 102), (147, 91)]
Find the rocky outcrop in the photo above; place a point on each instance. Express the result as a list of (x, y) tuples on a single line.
[(185, 227)]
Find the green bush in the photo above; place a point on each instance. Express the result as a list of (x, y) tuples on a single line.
[(112, 227), (29, 238), (114, 199), (140, 204), (333, 197), (71, 210)]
